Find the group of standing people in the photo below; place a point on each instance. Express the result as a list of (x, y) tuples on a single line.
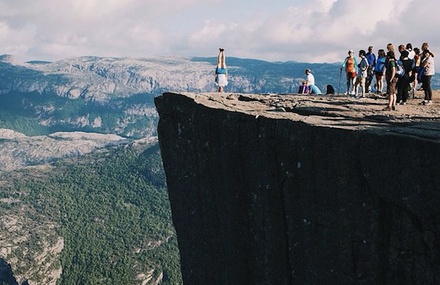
[(417, 65), (401, 74), (362, 74)]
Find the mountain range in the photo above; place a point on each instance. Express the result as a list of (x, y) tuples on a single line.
[(114, 96)]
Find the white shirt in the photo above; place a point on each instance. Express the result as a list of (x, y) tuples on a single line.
[(411, 54), (310, 79)]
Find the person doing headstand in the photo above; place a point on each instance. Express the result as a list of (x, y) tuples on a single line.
[(221, 72)]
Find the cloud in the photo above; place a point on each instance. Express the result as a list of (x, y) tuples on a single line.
[(311, 31)]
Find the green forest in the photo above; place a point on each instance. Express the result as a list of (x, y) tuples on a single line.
[(112, 211)]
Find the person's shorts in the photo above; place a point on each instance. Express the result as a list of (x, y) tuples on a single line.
[(360, 80), (391, 87)]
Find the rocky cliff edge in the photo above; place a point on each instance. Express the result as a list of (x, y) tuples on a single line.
[(288, 189)]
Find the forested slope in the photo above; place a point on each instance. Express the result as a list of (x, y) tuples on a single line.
[(102, 219)]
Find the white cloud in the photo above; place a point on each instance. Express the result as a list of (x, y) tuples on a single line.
[(313, 30)]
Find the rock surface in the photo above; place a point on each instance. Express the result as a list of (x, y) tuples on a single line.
[(288, 189), (18, 151)]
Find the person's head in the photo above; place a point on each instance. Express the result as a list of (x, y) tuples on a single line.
[(401, 48), (409, 46), (390, 47), (417, 50), (425, 46), (370, 49), (426, 52), (381, 52), (361, 53), (308, 71), (351, 52)]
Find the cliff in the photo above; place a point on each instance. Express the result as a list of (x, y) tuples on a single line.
[(283, 189)]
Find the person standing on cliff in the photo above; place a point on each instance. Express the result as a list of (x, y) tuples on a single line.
[(379, 70), (350, 64), (371, 58), (427, 62), (362, 75), (391, 79), (221, 72)]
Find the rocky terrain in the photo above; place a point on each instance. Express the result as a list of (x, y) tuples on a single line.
[(34, 238), (288, 189), (102, 79), (18, 151)]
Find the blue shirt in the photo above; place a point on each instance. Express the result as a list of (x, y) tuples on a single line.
[(220, 70), (371, 57), (380, 65)]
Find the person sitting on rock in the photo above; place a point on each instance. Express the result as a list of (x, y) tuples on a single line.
[(311, 83)]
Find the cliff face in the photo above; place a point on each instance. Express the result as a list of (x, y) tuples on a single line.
[(268, 189)]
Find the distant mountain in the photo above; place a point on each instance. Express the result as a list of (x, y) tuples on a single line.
[(115, 95), (18, 151)]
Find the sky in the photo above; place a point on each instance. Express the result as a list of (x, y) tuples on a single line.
[(312, 31)]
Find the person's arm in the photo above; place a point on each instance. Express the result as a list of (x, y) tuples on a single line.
[(393, 70), (364, 64), (344, 63), (425, 60)]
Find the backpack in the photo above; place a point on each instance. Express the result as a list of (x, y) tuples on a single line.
[(400, 70), (363, 67), (330, 89)]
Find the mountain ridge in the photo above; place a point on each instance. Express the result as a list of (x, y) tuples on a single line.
[(111, 95)]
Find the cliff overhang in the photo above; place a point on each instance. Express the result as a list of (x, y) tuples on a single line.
[(288, 189)]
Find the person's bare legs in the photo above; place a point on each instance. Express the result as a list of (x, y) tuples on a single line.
[(391, 102), (222, 58), (379, 84), (221, 63)]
